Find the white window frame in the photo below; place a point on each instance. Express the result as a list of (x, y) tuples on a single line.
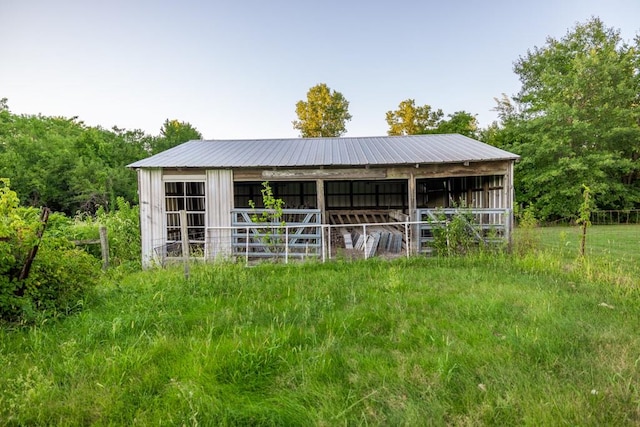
[(165, 227)]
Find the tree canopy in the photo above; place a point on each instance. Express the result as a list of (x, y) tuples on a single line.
[(68, 166), (323, 114), (410, 119), (172, 133), (575, 121)]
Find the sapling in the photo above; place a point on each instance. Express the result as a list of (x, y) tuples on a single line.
[(584, 217)]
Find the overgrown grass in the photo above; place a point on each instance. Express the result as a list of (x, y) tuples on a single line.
[(483, 340), (612, 252), (621, 242)]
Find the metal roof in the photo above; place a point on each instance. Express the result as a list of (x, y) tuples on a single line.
[(307, 152)]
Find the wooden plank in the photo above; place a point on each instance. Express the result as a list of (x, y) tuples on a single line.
[(398, 216), (452, 169), (86, 242), (351, 173)]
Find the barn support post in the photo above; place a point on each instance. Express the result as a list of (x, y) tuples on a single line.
[(320, 200)]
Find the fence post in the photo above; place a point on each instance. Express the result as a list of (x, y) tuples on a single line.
[(322, 244), (104, 247), (364, 236), (246, 249), (184, 233), (286, 244), (329, 246), (406, 232), (507, 227)]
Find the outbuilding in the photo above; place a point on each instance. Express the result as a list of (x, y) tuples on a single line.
[(322, 181)]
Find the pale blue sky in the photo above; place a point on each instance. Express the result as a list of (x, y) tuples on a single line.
[(235, 69)]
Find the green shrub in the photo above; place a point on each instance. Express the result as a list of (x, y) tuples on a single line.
[(455, 234), (60, 278), (528, 234), (60, 274), (123, 231), (123, 228)]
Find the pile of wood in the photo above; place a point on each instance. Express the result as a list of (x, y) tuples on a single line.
[(379, 239)]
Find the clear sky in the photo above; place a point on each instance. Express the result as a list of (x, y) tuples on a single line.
[(235, 69)]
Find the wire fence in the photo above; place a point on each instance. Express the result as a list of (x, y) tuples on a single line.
[(604, 217), (610, 217)]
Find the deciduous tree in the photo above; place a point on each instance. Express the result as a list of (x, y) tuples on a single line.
[(460, 122), (172, 133), (65, 165), (410, 119), (323, 114), (576, 120)]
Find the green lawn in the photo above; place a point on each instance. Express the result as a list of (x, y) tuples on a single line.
[(538, 339), (620, 242)]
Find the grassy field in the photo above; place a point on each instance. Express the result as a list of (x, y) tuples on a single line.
[(543, 338)]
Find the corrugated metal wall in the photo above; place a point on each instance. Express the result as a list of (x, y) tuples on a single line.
[(151, 213), (219, 205)]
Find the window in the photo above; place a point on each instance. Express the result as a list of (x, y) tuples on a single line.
[(296, 195), (188, 196), (472, 191), (387, 194)]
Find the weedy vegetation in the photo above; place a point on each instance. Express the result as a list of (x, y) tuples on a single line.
[(541, 337)]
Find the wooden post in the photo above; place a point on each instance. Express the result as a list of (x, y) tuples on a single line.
[(104, 247), (24, 273), (320, 201), (184, 233)]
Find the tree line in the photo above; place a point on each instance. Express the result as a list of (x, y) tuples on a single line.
[(574, 122), (70, 167)]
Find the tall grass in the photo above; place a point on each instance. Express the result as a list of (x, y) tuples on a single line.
[(481, 340)]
